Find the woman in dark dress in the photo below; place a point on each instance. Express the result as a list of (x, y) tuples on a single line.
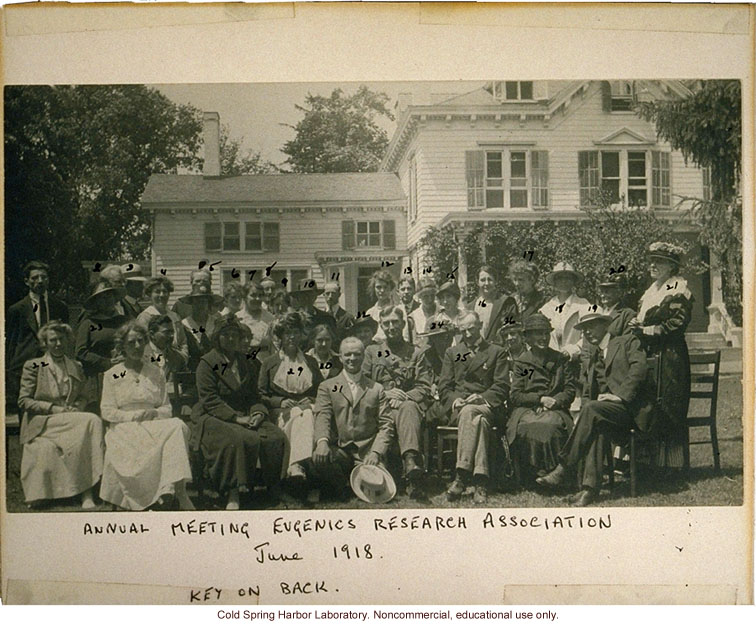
[(289, 382), (664, 313), (231, 426), (95, 336), (543, 386)]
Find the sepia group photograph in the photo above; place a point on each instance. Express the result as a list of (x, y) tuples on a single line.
[(373, 295)]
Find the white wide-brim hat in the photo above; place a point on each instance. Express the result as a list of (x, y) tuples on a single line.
[(372, 484)]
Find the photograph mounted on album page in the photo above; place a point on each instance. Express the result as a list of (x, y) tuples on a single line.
[(316, 314)]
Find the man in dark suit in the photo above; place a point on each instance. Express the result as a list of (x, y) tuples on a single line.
[(403, 371), (474, 386), (352, 420), (344, 320), (613, 372), (24, 320)]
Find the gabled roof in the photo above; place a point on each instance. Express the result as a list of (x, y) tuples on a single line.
[(479, 97), (274, 188), (624, 136)]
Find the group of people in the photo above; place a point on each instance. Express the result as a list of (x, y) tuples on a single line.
[(291, 397)]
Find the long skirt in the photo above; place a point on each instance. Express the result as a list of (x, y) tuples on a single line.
[(299, 427), (143, 461), (537, 438), (65, 459), (231, 452)]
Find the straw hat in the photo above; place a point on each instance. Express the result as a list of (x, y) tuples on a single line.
[(133, 272), (564, 268), (372, 484), (590, 317)]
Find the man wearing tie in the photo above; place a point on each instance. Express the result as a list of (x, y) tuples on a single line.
[(23, 321), (613, 372)]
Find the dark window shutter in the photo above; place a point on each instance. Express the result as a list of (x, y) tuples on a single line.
[(389, 234), (606, 96), (475, 172), (347, 235)]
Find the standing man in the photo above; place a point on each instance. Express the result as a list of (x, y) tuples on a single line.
[(474, 385), (201, 282), (303, 301), (408, 304), (405, 375), (269, 286), (427, 308), (134, 285), (24, 320), (342, 318), (611, 293), (352, 420), (613, 372)]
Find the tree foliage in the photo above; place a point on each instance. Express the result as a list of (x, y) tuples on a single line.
[(707, 128), (609, 239), (339, 133), (77, 161), (235, 161)]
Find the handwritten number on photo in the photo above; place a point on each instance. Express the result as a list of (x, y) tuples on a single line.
[(97, 267), (528, 253), (337, 388), (451, 276), (270, 268), (235, 273), (163, 271), (462, 357), (251, 273), (671, 287), (385, 353), (527, 372), (621, 269), (559, 308), (335, 276), (427, 270)]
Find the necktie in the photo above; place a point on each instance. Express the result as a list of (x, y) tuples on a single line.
[(43, 311)]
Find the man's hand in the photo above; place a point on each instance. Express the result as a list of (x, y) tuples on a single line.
[(372, 459), (256, 419), (607, 396), (548, 402), (288, 403), (474, 399), (322, 453), (459, 403), (395, 403), (243, 420), (396, 394)]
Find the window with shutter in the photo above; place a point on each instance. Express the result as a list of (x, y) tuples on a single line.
[(539, 178), (271, 238), (389, 234), (588, 173), (347, 235), (660, 186), (637, 181), (474, 166)]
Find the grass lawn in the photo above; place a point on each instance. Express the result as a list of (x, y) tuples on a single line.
[(704, 485)]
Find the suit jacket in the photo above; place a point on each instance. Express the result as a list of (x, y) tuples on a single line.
[(625, 370), (363, 420), (621, 316), (21, 330), (402, 367), (504, 308), (344, 322), (40, 392), (485, 372)]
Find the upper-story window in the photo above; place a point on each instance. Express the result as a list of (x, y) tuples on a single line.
[(377, 234), (623, 95), (639, 178), (226, 236), (507, 178), (513, 90), (412, 188)]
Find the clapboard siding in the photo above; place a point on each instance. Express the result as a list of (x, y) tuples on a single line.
[(439, 149), (178, 241)]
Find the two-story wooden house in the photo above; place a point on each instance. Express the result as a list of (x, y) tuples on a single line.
[(530, 150)]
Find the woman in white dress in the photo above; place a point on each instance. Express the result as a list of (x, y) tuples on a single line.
[(62, 443), (564, 309), (146, 450)]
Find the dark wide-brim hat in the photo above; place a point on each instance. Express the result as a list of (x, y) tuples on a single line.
[(449, 287), (101, 288), (666, 251), (564, 268), (307, 286), (615, 280), (367, 321), (592, 317), (536, 322), (213, 299)]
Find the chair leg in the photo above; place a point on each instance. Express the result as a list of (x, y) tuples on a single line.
[(686, 450), (426, 447), (610, 465), (714, 442), (633, 475), (440, 454)]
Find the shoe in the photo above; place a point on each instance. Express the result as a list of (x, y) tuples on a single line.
[(481, 495), (554, 479), (233, 500), (87, 503), (412, 468), (296, 473), (415, 490), (455, 491), (584, 498), (313, 496)]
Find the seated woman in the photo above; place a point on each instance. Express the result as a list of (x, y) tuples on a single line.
[(146, 450), (229, 423), (158, 290), (322, 352), (62, 443), (289, 383), (543, 386)]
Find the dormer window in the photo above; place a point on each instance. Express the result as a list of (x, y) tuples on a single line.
[(623, 95), (513, 90)]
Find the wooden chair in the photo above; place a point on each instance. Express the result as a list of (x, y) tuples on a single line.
[(184, 391), (446, 434), (707, 374)]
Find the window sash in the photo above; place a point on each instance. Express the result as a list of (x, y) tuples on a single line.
[(589, 177), (271, 236), (368, 234), (252, 236), (513, 179), (213, 236), (660, 179), (475, 174)]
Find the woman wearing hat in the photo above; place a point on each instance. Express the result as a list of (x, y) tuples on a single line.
[(158, 290), (364, 328), (288, 385), (528, 298), (198, 326), (426, 295), (664, 312), (543, 387), (95, 334), (230, 424), (448, 309), (383, 288), (146, 450), (564, 308)]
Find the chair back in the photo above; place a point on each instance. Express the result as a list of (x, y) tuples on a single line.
[(704, 374)]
